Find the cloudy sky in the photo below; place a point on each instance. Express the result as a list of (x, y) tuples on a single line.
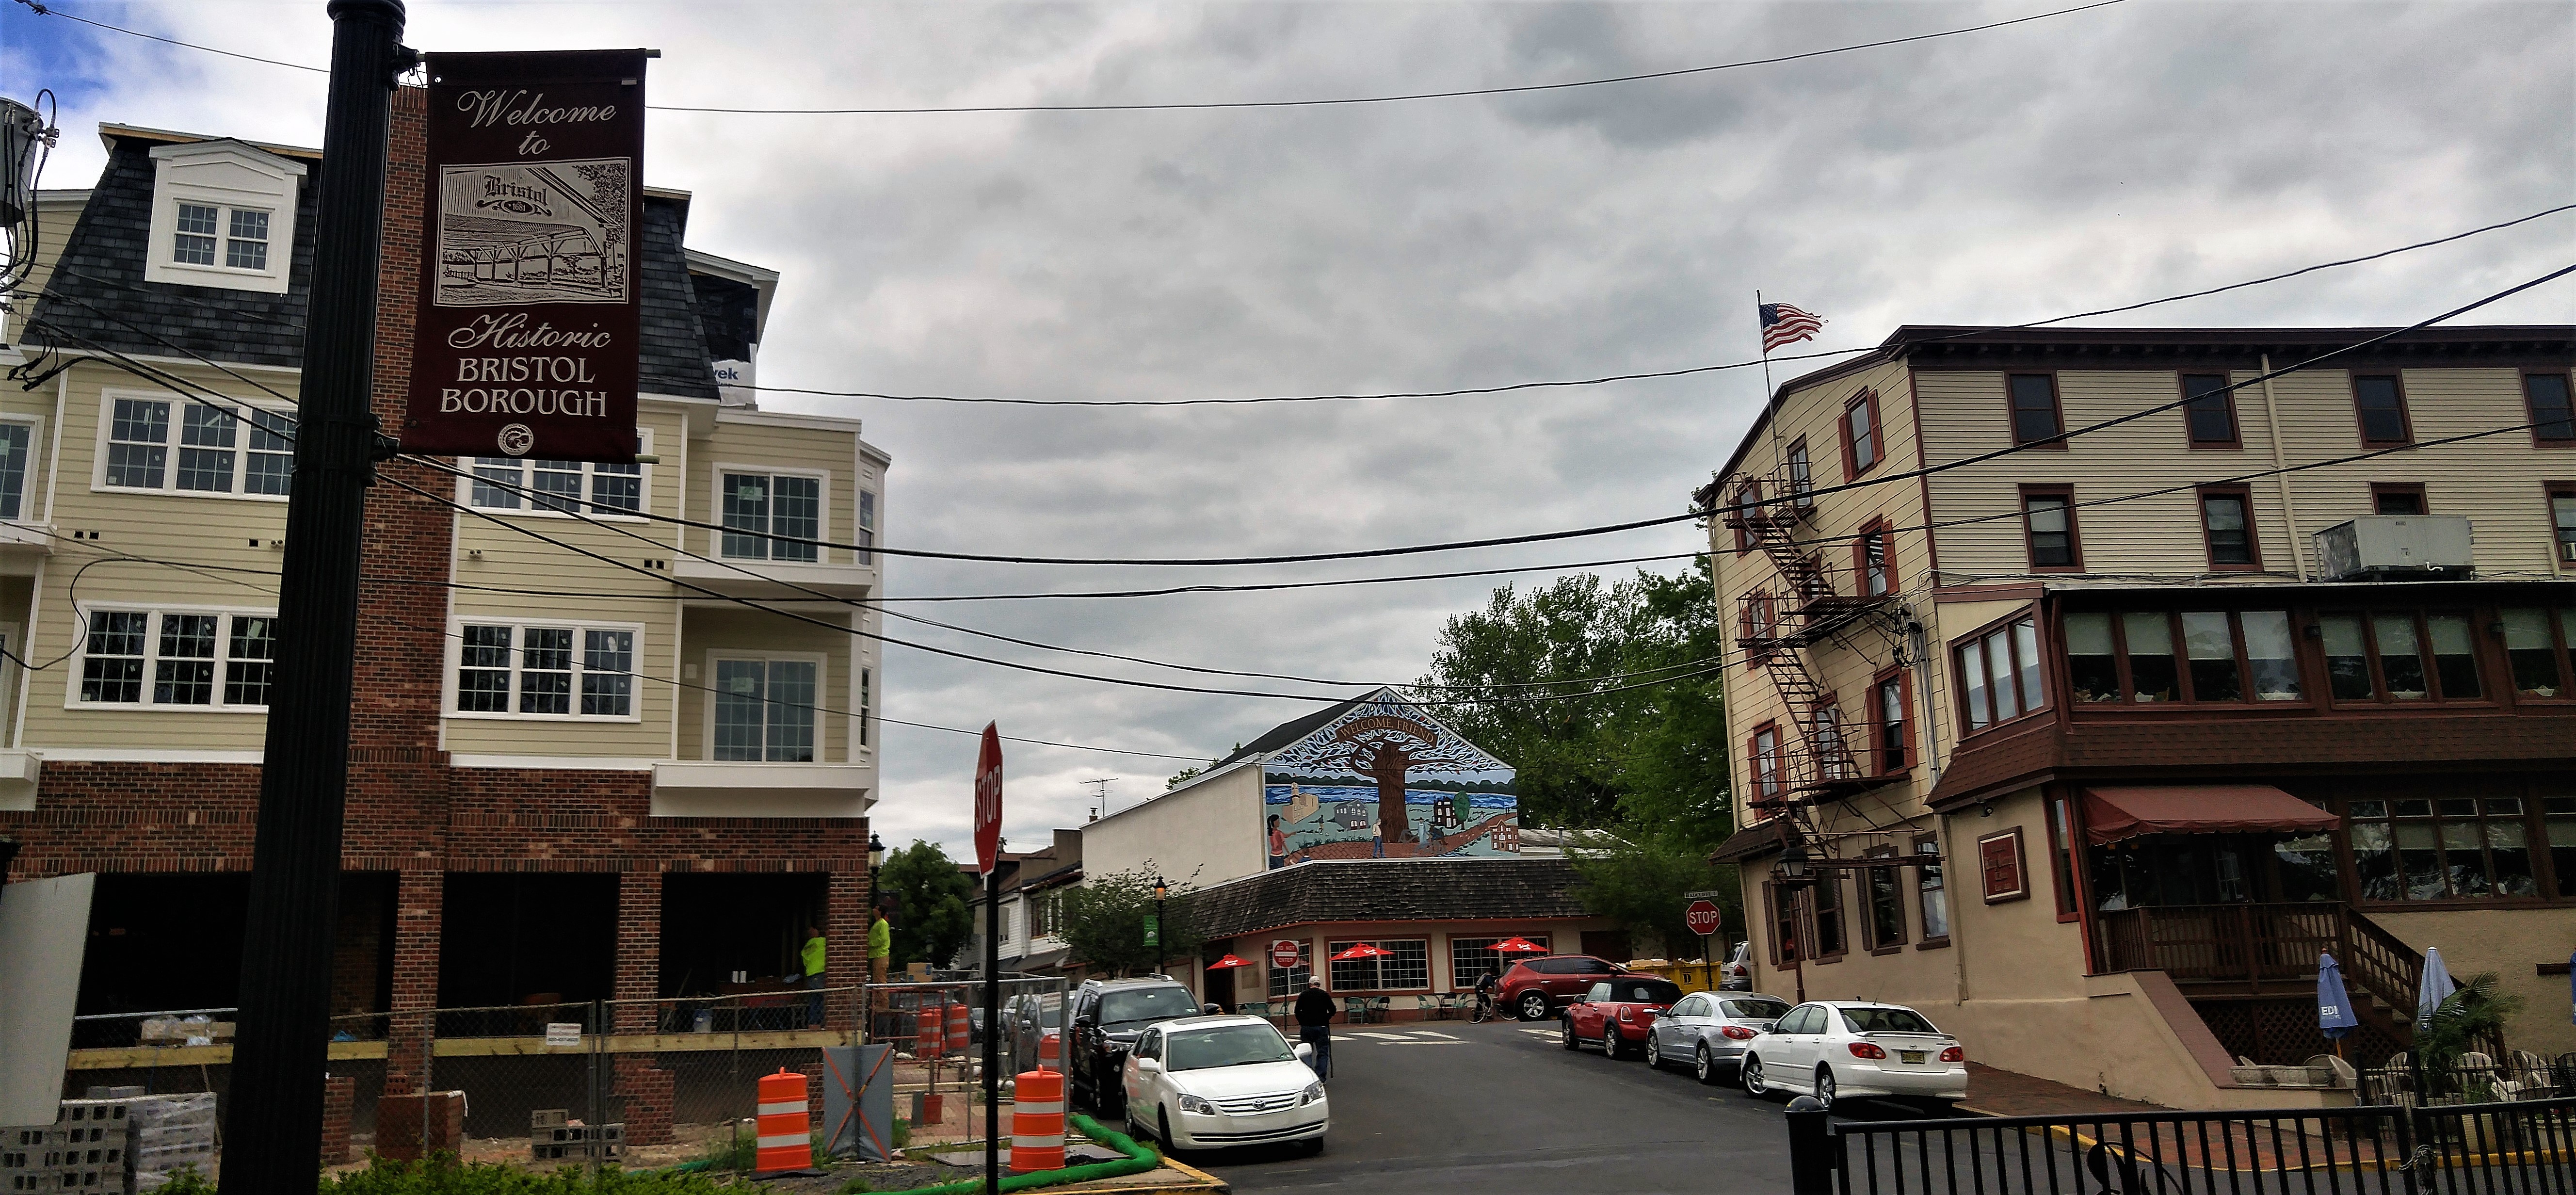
[(2081, 161)]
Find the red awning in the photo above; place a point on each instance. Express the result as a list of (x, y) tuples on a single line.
[(2111, 814)]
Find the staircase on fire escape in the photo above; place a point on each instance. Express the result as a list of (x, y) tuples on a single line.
[(1778, 628)]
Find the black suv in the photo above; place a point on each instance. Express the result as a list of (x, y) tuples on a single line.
[(1108, 1015)]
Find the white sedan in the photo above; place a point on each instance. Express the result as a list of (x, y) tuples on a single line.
[(1213, 1082), (1842, 1049)]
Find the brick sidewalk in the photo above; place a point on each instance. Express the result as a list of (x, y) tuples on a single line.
[(1994, 1092)]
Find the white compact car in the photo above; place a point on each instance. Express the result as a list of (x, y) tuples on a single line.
[(1221, 1081), (1841, 1049)]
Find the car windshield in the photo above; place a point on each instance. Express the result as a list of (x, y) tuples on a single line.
[(1886, 1020), (1755, 1010), (1642, 991), (1146, 1004), (1226, 1045)]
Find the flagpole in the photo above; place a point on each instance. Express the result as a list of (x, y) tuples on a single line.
[(1769, 415)]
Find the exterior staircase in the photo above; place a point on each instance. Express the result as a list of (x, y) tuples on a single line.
[(2244, 967)]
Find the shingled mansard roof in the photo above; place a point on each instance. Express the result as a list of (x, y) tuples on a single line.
[(1388, 890), (102, 266)]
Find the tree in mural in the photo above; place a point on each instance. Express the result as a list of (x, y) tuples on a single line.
[(1386, 748)]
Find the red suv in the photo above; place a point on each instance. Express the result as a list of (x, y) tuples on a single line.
[(1537, 987), (1619, 1013)]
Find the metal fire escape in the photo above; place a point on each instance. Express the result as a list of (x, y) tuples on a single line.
[(1777, 628)]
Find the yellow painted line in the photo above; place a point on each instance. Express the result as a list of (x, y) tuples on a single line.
[(1213, 1182)]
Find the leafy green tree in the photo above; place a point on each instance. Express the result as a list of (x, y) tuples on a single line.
[(1179, 778), (1103, 923), (932, 921), (1639, 883)]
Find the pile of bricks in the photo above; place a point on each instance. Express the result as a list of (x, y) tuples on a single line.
[(86, 1149), (553, 1137)]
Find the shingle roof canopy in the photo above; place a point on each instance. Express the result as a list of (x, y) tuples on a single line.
[(1389, 890), (100, 274)]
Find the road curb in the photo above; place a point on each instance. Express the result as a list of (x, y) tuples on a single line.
[(1206, 1181)]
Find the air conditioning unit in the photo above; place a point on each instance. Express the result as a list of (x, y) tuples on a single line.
[(2387, 547)]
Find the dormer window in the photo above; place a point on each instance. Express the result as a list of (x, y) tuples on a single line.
[(223, 215)]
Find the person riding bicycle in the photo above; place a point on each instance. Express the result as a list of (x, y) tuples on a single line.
[(1485, 987)]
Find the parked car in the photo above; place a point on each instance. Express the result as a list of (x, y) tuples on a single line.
[(1618, 1013), (1840, 1049), (1736, 973), (1708, 1031), (1212, 1081), (1537, 987), (1030, 1018), (1109, 1016)]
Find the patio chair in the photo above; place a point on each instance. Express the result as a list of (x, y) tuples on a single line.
[(2528, 1077), (1355, 1009), (1256, 1008), (1382, 1009), (1427, 1006)]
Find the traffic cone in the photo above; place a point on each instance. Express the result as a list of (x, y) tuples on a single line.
[(960, 1030), (1037, 1122)]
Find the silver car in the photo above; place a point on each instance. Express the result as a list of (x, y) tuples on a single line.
[(1707, 1031)]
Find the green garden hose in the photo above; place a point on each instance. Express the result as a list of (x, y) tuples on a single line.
[(1139, 1159)]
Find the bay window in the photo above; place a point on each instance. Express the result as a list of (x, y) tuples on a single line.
[(760, 506), (2000, 675), (763, 708), (2226, 656), (2404, 655)]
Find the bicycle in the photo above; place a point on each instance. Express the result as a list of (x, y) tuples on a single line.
[(1485, 1008)]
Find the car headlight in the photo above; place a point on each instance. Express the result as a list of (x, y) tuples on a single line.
[(1192, 1103), (1314, 1091)]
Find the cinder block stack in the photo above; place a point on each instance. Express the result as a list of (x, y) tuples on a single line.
[(554, 1137), (171, 1133), (86, 1149)]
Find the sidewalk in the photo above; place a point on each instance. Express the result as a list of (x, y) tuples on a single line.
[(1994, 1092)]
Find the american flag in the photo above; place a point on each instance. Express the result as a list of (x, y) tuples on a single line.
[(1783, 324)]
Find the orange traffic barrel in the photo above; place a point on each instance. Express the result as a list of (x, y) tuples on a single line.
[(786, 1139), (1050, 1048), (959, 1029), (929, 1032), (1037, 1122)]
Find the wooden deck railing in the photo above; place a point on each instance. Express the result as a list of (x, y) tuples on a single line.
[(2263, 947)]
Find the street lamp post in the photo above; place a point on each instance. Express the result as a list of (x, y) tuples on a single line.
[(1160, 890)]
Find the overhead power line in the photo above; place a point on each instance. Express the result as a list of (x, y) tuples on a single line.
[(1204, 105)]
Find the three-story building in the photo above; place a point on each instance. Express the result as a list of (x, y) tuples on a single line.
[(596, 753), (2089, 742)]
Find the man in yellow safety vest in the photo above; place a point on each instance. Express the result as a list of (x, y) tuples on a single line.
[(812, 958)]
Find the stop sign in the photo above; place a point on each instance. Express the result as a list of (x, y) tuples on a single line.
[(1283, 954), (1703, 917), (988, 800)]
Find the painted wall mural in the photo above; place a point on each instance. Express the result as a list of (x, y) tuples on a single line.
[(1386, 780)]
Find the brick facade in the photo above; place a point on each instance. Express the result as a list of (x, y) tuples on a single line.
[(410, 815)]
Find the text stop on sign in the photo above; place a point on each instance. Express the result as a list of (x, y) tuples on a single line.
[(1703, 917)]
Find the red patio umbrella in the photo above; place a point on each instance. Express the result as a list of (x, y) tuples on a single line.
[(1518, 946), (1227, 961), (1363, 950)]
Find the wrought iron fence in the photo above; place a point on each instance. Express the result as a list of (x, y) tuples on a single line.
[(2514, 1146)]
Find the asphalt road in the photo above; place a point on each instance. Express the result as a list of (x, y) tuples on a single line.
[(1501, 1107)]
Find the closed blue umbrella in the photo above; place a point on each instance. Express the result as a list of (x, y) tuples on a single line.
[(2571, 985), (2435, 987), (2334, 1008)]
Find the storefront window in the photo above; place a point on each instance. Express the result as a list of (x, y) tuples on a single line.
[(2442, 848), (1406, 967)]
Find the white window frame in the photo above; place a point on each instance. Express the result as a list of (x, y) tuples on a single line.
[(36, 463), (707, 717), (449, 686), (175, 442), (528, 506), (79, 662), (715, 509), (1377, 966), (195, 173)]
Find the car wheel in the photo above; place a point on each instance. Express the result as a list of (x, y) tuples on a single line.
[(1613, 1046), (1571, 1042), (1533, 1006), (1703, 1064), (1825, 1087), (1750, 1073), (1654, 1051), (1163, 1129)]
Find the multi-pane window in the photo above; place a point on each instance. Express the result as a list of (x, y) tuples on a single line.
[(758, 507), (546, 671), (2049, 518), (2400, 655), (555, 487), (1286, 982), (1802, 477), (867, 703), (2553, 410), (1999, 674), (1405, 967), (2227, 523), (215, 453), (243, 231), (1833, 755), (1468, 958), (2247, 655), (1861, 448), (2381, 406), (1892, 733), (14, 441), (1786, 941), (1767, 785), (177, 658), (2441, 848), (1929, 887), (2034, 410), (2536, 645), (867, 526), (1875, 560), (1825, 902), (1883, 906), (2209, 411), (764, 709), (2562, 519)]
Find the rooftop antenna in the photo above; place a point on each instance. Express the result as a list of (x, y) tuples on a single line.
[(1100, 795)]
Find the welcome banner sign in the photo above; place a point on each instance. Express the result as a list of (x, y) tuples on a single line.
[(531, 255)]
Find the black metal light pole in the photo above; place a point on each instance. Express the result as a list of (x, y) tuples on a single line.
[(273, 1140), (992, 1031), (1160, 889)]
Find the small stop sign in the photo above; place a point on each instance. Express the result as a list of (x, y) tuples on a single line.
[(1283, 954), (1703, 917)]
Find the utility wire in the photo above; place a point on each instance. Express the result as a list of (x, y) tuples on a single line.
[(44, 10)]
